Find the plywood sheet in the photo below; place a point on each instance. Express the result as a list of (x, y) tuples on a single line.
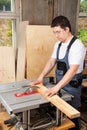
[(59, 103), (7, 64), (40, 43), (21, 57)]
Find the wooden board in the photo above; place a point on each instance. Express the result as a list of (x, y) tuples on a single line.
[(21, 57), (59, 103), (7, 64), (40, 43)]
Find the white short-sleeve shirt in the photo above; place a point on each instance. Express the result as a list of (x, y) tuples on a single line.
[(77, 53)]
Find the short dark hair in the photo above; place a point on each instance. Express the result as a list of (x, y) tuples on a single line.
[(61, 21)]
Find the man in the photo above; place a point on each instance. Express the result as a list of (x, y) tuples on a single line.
[(68, 56)]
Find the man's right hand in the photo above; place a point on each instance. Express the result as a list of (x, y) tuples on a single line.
[(37, 81)]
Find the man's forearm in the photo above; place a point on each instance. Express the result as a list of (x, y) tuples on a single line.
[(67, 77), (49, 66)]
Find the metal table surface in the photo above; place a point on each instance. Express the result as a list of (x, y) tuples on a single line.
[(23, 104), (15, 104)]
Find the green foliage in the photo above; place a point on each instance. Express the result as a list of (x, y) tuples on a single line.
[(6, 33), (6, 3), (82, 35), (83, 6)]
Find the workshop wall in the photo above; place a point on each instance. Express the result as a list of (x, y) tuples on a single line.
[(41, 12)]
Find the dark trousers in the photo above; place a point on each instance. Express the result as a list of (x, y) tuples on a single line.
[(77, 124)]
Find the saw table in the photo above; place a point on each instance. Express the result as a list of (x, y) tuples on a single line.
[(24, 104)]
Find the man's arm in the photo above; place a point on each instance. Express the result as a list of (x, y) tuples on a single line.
[(65, 80)]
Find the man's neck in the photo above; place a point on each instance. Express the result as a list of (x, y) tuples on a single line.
[(69, 37)]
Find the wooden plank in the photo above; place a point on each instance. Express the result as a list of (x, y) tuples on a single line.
[(21, 57), (40, 43), (66, 124), (59, 103), (7, 65)]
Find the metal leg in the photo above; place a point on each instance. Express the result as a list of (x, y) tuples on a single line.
[(29, 120), (25, 117), (58, 117)]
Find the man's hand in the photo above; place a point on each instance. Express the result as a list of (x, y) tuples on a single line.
[(51, 91), (37, 81)]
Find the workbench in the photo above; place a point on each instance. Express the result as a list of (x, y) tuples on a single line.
[(66, 124), (23, 104)]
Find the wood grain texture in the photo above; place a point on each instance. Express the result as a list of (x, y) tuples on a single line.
[(40, 43), (42, 13), (59, 103), (7, 65)]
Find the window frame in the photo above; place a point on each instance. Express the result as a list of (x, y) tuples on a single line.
[(12, 15)]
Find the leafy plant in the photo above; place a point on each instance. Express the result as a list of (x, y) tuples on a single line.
[(83, 6), (82, 35), (6, 3)]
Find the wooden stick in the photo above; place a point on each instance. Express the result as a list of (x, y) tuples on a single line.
[(62, 105)]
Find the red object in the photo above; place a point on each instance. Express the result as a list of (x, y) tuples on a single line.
[(25, 94)]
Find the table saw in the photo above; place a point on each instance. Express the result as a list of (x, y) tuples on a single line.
[(24, 104)]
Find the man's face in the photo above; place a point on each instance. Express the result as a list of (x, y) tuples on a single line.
[(60, 33)]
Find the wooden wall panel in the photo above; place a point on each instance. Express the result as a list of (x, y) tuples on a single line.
[(40, 42), (70, 9), (7, 65), (39, 12)]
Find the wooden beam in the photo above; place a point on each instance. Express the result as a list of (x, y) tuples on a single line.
[(21, 57), (59, 103), (8, 15)]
